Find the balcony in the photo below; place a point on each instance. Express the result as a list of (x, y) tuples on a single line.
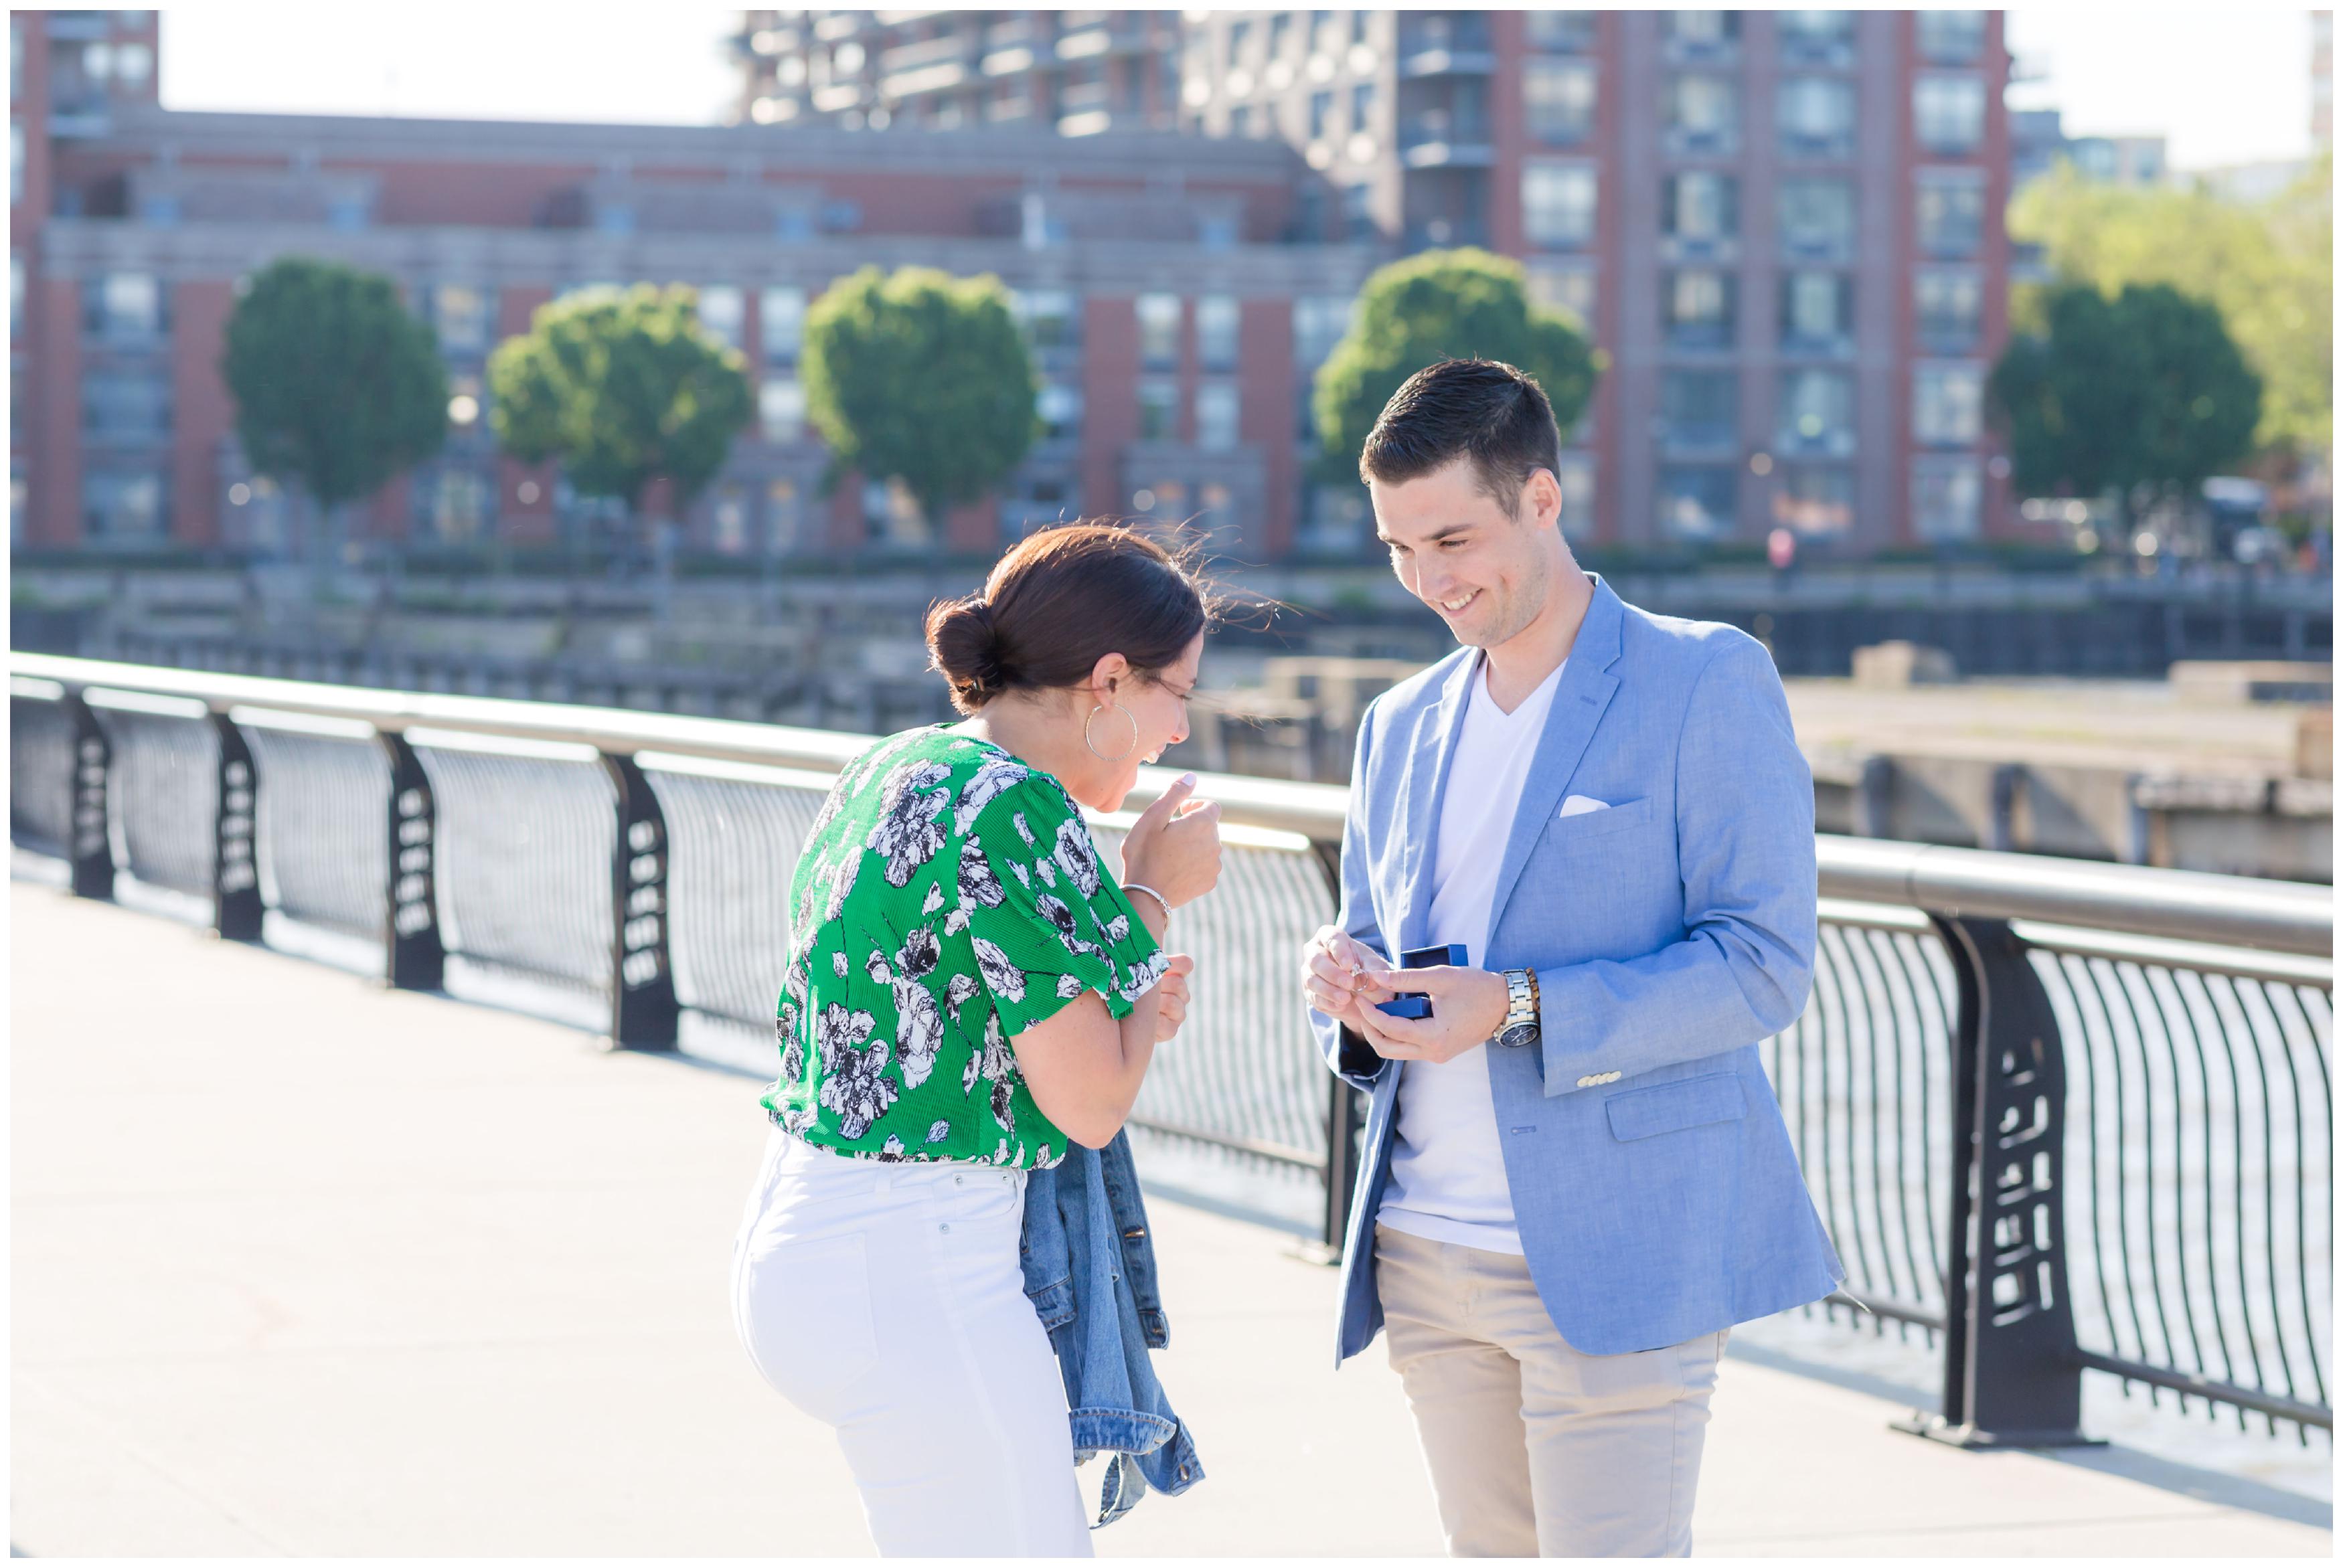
[(1451, 45), (1427, 233), (79, 26), (1438, 139)]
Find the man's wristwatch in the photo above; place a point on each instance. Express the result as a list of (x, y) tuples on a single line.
[(1521, 1025)]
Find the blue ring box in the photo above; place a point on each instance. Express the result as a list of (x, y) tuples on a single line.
[(1415, 1004)]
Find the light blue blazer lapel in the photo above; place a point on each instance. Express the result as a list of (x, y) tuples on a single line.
[(1432, 748), (1579, 702)]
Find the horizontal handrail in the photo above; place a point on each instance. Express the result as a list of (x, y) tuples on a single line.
[(2188, 906)]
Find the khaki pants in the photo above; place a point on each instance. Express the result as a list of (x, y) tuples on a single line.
[(1536, 1449)]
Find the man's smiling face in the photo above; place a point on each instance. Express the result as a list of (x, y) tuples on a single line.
[(1484, 570)]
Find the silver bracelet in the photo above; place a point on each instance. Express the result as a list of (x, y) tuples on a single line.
[(1160, 898)]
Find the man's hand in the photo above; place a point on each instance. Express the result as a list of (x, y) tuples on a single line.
[(1468, 1007), (1341, 975), (1171, 997)]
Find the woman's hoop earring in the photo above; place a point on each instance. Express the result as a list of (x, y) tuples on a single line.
[(1101, 756)]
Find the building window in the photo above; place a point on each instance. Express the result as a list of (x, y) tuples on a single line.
[(1051, 317), (1281, 27), (1951, 37), (1703, 29), (1817, 309), (1060, 409), (785, 518), (1558, 205), (1216, 415), (781, 322), (1817, 217), (1813, 501), (122, 508), (1318, 322), (1947, 499), (1699, 408), (1240, 38), (1696, 502), (781, 411), (124, 406), (723, 313), (1575, 477), (460, 315), (1696, 309), (1815, 413), (1947, 405), (1948, 113), (1569, 289), (1558, 96), (1335, 519), (1815, 116), (458, 506), (1158, 330), (1950, 209), (1363, 107), (1216, 331), (728, 520), (1948, 304), (1816, 36), (1702, 206), (1562, 32), (1159, 410), (1322, 113), (1358, 211), (125, 307), (1703, 114), (1241, 121)]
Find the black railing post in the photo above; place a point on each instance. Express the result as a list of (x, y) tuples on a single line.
[(644, 1014), (2013, 1377), (237, 909), (91, 845), (414, 959)]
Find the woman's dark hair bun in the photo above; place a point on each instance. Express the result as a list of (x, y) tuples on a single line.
[(1062, 599), (964, 647)]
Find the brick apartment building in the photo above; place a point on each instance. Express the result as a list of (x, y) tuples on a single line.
[(1785, 232)]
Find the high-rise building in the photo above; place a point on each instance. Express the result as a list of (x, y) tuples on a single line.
[(1785, 228), (1077, 72)]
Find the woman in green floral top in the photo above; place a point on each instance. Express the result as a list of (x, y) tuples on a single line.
[(969, 989)]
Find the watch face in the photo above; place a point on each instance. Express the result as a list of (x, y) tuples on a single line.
[(1519, 1034)]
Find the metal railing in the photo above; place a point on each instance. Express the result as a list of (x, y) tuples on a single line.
[(2060, 1116)]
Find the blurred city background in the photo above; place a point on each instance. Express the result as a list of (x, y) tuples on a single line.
[(428, 425)]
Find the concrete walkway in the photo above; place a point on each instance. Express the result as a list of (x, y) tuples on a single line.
[(303, 1267)]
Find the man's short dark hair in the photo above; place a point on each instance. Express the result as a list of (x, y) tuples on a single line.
[(1482, 409)]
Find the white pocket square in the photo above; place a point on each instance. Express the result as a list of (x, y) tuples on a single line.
[(1579, 805)]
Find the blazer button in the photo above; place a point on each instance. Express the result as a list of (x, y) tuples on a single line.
[(1586, 1083)]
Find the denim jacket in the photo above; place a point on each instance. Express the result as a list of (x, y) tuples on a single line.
[(1090, 1271)]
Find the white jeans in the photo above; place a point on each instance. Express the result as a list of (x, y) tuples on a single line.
[(887, 1299)]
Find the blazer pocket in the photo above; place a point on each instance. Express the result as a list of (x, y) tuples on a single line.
[(1672, 1107), (1595, 824)]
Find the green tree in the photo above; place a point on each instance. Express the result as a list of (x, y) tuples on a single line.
[(622, 388), (1444, 305), (923, 377), (2269, 266), (336, 387), (2144, 394)]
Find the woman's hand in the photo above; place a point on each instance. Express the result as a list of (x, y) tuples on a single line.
[(1174, 848), (1171, 997)]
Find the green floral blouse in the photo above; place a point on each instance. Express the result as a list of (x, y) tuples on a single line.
[(948, 898)]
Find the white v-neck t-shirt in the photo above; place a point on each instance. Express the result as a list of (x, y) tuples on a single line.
[(1447, 1174)]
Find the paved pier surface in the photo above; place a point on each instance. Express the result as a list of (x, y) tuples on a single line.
[(304, 1267)]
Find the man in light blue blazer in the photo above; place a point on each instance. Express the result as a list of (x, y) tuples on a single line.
[(1576, 1178)]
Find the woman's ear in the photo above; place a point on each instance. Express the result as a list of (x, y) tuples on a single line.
[(1108, 675)]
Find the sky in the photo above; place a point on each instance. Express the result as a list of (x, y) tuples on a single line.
[(2226, 85)]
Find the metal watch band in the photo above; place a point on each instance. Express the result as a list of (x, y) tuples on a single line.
[(1521, 1025)]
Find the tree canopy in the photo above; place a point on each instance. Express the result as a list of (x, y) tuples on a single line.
[(920, 377), (336, 387), (623, 388), (2144, 391), (1444, 305), (2269, 266)]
